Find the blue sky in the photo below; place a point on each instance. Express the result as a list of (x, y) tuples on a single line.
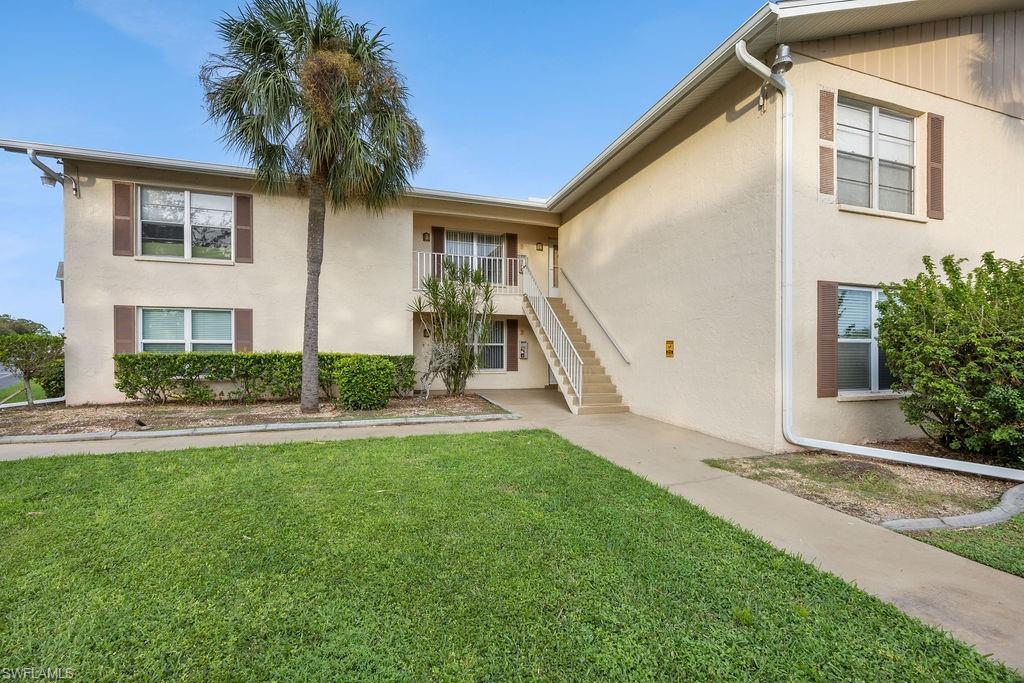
[(514, 97)]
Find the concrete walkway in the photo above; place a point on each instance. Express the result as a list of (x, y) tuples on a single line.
[(975, 603)]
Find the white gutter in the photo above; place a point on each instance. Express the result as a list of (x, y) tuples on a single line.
[(788, 431), (50, 173)]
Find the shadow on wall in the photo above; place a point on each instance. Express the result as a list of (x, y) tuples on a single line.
[(1003, 86)]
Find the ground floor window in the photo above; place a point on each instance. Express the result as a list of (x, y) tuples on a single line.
[(862, 364), (491, 353), (173, 330)]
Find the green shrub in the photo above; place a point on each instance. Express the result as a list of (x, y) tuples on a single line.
[(245, 377), (51, 379), (365, 382), (956, 344)]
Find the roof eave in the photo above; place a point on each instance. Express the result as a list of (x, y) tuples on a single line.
[(239, 172), (763, 19)]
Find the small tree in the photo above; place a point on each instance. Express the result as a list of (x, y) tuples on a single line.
[(956, 344), (456, 307), (30, 355)]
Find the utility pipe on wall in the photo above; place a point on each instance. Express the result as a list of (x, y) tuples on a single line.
[(777, 80)]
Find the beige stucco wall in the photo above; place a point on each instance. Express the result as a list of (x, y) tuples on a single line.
[(529, 236), (984, 210), (679, 244), (532, 372), (365, 286)]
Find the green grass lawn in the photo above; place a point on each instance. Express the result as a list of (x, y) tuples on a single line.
[(485, 556), (1000, 545), (37, 392)]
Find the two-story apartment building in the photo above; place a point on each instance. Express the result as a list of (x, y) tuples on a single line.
[(677, 274)]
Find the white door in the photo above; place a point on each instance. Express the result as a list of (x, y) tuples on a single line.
[(553, 274)]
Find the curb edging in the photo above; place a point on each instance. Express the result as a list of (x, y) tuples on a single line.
[(247, 429), (1010, 505)]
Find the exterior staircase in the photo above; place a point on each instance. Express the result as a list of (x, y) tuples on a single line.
[(587, 388)]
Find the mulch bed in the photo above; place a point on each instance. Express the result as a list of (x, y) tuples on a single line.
[(59, 419)]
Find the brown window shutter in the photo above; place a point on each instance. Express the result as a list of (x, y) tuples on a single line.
[(936, 160), (124, 329), (512, 345), (243, 228), (511, 252), (243, 330), (828, 339), (124, 219), (826, 115), (826, 170), (437, 247)]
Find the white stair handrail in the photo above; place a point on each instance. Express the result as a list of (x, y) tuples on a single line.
[(566, 353)]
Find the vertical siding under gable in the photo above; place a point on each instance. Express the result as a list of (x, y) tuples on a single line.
[(977, 59)]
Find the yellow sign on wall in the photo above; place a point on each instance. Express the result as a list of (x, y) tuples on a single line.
[(670, 348)]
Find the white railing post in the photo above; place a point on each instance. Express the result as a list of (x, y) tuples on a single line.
[(501, 272), (566, 353)]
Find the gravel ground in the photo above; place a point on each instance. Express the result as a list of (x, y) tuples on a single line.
[(59, 419)]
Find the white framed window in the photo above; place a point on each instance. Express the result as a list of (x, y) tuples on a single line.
[(173, 330), (875, 157), (176, 223), (483, 251), (491, 354), (862, 364)]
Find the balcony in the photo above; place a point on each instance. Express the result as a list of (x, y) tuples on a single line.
[(505, 274)]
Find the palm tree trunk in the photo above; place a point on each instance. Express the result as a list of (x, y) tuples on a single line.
[(310, 396)]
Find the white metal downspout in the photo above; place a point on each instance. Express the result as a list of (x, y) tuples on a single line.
[(788, 431)]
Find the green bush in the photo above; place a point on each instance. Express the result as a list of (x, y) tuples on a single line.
[(51, 379), (245, 377), (365, 382), (956, 344)]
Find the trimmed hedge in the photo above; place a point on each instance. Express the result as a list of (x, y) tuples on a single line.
[(365, 382), (249, 377)]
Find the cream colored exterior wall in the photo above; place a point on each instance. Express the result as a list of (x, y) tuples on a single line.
[(529, 236), (680, 244), (984, 210), (365, 286), (532, 372)]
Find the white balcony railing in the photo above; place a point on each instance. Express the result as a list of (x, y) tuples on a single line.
[(505, 274), (566, 353)]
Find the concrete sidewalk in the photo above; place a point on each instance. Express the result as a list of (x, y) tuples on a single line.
[(975, 603)]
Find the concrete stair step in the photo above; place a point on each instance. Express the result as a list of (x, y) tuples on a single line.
[(600, 399), (602, 410)]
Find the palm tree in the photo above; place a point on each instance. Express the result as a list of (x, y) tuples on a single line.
[(318, 105)]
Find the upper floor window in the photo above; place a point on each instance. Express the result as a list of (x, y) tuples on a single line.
[(174, 330), (862, 364), (479, 251), (875, 157), (185, 224)]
